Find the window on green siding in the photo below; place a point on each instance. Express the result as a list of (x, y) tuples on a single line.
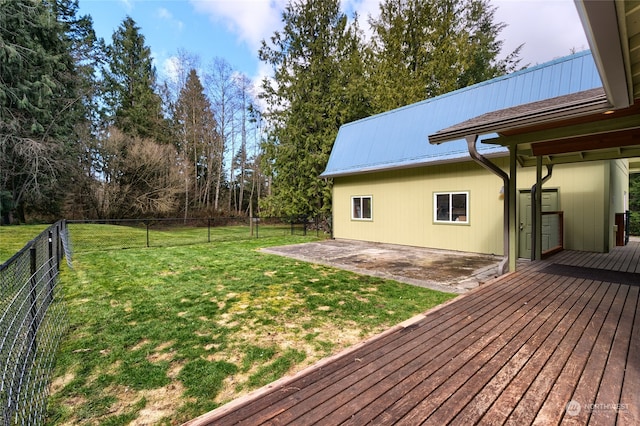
[(361, 207), (451, 207)]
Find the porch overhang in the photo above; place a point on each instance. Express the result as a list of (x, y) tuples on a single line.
[(605, 24), (567, 129)]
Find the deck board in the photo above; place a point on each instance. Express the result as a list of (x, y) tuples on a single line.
[(439, 337), (630, 409), (611, 387), (456, 358), (515, 351), (554, 354), (553, 408), (455, 394)]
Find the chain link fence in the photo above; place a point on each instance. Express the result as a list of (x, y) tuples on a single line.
[(110, 234), (32, 323)]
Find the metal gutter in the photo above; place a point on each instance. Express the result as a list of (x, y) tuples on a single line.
[(409, 165), (484, 162)]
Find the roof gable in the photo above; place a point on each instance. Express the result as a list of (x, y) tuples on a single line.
[(398, 138)]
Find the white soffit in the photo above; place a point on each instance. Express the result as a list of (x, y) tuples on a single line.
[(600, 22)]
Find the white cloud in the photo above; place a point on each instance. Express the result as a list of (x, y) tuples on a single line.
[(165, 15), (363, 8), (251, 20), (171, 68), (549, 29), (127, 4)]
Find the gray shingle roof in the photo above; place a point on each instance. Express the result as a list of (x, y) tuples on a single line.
[(525, 115)]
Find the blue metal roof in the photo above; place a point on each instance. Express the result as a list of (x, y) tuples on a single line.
[(398, 138)]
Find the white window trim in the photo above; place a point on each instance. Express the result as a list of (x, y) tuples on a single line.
[(450, 194), (370, 197)]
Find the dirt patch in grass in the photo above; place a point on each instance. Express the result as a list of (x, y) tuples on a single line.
[(60, 382), (160, 404)]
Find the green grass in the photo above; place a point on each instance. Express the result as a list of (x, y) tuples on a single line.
[(13, 238), (167, 334)]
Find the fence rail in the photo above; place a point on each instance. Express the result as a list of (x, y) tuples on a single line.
[(33, 316), (137, 233), (32, 323)]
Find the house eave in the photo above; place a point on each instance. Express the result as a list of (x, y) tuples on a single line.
[(594, 102), (606, 34), (412, 165)]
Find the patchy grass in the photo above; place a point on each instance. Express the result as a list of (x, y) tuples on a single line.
[(13, 238), (160, 336)]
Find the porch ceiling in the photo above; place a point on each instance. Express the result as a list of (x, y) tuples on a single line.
[(632, 19), (589, 138), (612, 28), (567, 129)]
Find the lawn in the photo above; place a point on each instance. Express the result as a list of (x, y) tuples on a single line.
[(162, 335), (13, 238)]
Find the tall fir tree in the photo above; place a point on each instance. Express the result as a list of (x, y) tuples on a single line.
[(316, 69), (40, 104), (133, 181), (130, 86), (424, 48)]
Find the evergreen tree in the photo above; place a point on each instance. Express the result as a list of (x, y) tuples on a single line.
[(424, 48), (39, 103), (316, 67), (131, 177), (130, 86)]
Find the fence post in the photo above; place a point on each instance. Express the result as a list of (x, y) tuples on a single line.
[(146, 222), (61, 231), (50, 262), (209, 230), (33, 310), (58, 245)]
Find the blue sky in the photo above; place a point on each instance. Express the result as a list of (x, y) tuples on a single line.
[(233, 29)]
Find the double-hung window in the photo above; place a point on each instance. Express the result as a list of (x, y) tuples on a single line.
[(451, 207), (361, 207)]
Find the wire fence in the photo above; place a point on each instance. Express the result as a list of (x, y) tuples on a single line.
[(110, 234), (33, 317), (32, 323)]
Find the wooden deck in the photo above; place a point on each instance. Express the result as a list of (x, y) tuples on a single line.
[(556, 342)]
